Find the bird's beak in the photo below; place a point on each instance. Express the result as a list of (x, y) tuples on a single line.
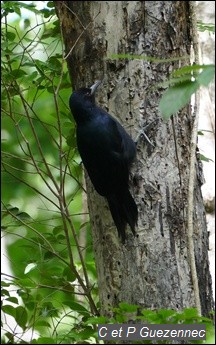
[(95, 86)]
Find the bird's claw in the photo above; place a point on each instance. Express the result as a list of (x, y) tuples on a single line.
[(144, 135)]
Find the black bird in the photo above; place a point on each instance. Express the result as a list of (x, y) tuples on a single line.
[(107, 152)]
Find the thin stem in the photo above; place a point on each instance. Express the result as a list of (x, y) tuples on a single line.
[(192, 172)]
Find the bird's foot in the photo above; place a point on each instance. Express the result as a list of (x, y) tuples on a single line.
[(142, 133)]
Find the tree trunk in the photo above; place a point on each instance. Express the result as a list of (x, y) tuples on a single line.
[(152, 269)]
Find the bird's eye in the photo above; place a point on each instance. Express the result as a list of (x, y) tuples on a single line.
[(88, 94)]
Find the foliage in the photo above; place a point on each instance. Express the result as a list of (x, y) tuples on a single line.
[(45, 230), (210, 27), (183, 83), (126, 313)]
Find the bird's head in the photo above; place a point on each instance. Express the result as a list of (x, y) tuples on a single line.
[(82, 100)]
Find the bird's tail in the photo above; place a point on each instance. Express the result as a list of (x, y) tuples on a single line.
[(124, 211)]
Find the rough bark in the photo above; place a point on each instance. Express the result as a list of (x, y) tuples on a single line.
[(153, 269)]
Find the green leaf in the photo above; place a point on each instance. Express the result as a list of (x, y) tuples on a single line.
[(21, 316), (206, 76), (5, 284), (54, 64), (128, 307), (9, 309), (48, 309), (76, 307), (10, 337), (47, 13), (4, 293), (12, 300), (179, 94), (70, 276), (24, 216), (189, 70), (57, 230), (86, 333), (50, 4), (16, 5), (27, 23), (18, 73), (17, 11), (205, 26), (12, 209), (41, 323), (96, 320), (200, 132), (10, 36), (60, 238), (48, 255), (71, 139), (177, 80), (31, 77), (204, 158), (176, 97), (27, 283)]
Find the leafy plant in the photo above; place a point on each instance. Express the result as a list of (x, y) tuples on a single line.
[(45, 230), (134, 314), (210, 27), (183, 83)]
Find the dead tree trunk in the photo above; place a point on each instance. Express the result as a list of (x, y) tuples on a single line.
[(153, 269)]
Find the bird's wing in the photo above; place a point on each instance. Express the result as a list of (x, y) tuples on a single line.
[(103, 146)]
